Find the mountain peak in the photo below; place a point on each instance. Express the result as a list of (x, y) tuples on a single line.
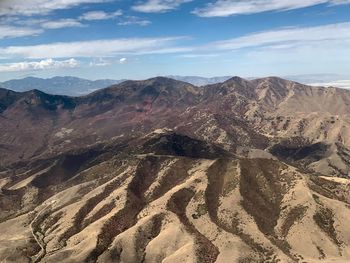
[(166, 81), (237, 78)]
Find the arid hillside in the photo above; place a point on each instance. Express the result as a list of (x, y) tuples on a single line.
[(164, 171)]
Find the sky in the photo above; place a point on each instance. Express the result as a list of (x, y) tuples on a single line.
[(123, 39)]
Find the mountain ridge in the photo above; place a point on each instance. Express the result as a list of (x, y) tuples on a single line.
[(162, 170), (141, 103), (74, 86)]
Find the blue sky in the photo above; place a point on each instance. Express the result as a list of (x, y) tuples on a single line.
[(139, 39)]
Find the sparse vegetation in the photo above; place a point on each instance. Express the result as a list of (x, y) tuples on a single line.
[(200, 211), (207, 252), (177, 162), (324, 218), (294, 216), (322, 254)]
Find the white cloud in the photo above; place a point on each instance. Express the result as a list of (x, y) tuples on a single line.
[(39, 7), (345, 84), (97, 48), (63, 23), (340, 2), (209, 55), (100, 15), (38, 65), (25, 21), (221, 8), (99, 62), (123, 60), (14, 31), (133, 20), (299, 50), (29, 26), (158, 6), (328, 35), (16, 27)]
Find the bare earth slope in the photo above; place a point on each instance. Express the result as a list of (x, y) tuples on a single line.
[(164, 171)]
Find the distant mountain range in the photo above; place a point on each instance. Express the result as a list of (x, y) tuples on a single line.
[(73, 86)]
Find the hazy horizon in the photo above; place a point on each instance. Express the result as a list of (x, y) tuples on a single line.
[(73, 86)]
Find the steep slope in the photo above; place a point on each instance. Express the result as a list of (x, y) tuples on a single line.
[(140, 206), (36, 123), (236, 113), (164, 171), (290, 111), (314, 112), (7, 98)]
